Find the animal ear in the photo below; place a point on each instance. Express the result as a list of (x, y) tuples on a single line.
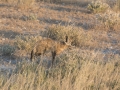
[(66, 38)]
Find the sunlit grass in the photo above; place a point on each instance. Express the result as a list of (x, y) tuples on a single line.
[(72, 71)]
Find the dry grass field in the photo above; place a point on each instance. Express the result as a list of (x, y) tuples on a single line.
[(93, 29)]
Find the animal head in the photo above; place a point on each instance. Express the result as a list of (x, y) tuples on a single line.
[(67, 42)]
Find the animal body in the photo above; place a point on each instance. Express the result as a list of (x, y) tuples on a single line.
[(48, 45)]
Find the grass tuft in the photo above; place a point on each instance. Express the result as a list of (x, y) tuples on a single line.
[(97, 7)]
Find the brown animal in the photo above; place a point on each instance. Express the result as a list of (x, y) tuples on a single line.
[(49, 45)]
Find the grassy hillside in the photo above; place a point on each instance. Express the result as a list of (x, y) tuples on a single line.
[(93, 29)]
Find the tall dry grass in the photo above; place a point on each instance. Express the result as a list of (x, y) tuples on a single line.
[(74, 70)]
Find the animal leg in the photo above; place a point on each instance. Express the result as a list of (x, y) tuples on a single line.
[(53, 57), (32, 55)]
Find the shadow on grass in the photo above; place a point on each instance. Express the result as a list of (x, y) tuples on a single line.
[(76, 3), (52, 21), (61, 8), (85, 25), (72, 2), (8, 34), (5, 5)]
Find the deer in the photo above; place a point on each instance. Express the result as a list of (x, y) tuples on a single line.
[(49, 45)]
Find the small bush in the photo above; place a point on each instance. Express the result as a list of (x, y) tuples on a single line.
[(7, 49), (26, 42), (29, 17), (76, 36), (56, 32), (110, 19), (97, 7)]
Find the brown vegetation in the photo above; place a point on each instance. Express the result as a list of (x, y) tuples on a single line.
[(93, 65)]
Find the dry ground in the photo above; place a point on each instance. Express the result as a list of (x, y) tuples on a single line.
[(15, 21)]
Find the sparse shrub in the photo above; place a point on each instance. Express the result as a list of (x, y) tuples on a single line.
[(32, 17), (76, 36), (110, 19), (56, 32), (29, 17), (7, 49), (97, 7), (26, 42)]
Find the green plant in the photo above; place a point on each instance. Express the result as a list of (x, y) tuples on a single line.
[(32, 17), (29, 17), (7, 49), (97, 7)]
